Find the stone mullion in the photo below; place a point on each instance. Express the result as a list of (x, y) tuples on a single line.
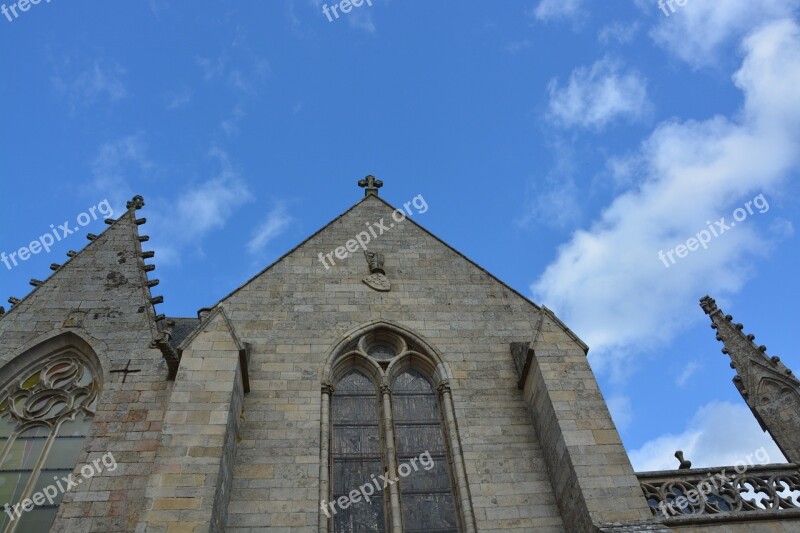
[(395, 515), (35, 473), (462, 488), (324, 459)]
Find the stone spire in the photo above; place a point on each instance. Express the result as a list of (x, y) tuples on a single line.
[(371, 184), (768, 387)]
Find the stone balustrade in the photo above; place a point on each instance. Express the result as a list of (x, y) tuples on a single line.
[(722, 493)]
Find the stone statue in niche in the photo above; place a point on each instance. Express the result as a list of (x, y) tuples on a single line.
[(377, 278)]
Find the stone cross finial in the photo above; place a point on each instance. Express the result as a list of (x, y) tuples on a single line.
[(135, 204), (372, 185)]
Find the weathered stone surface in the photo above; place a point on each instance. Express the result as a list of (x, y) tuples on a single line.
[(118, 322), (770, 389), (233, 443)]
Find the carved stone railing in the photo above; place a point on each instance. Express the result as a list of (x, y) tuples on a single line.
[(758, 492)]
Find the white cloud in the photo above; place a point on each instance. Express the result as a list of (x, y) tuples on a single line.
[(558, 9), (230, 126), (688, 371), (276, 222), (209, 204), (607, 281), (621, 411), (212, 68), (361, 20), (181, 223), (92, 84), (157, 6), (246, 81), (115, 165), (719, 434), (698, 32), (177, 223), (174, 100), (598, 95), (622, 32), (553, 201), (515, 47), (623, 170)]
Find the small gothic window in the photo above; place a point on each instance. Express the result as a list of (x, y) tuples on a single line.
[(44, 418), (356, 452), (427, 494), (381, 352)]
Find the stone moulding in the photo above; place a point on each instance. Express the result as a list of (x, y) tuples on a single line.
[(757, 493)]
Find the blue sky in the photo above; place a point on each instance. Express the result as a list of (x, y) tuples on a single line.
[(558, 143)]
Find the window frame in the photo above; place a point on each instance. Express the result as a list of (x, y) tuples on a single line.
[(48, 353), (412, 353)]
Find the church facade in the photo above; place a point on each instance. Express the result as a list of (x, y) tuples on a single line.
[(397, 387)]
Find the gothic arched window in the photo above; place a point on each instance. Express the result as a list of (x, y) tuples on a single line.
[(355, 450), (426, 495), (45, 413), (388, 448)]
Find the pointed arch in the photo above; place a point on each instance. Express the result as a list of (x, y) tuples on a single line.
[(772, 390), (48, 396), (415, 411), (438, 369)]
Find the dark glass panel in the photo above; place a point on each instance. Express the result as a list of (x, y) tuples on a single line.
[(11, 486), (356, 408), (26, 449), (39, 519), (68, 444), (381, 352), (7, 426), (354, 381), (426, 492), (429, 513), (45, 479), (75, 428), (355, 454)]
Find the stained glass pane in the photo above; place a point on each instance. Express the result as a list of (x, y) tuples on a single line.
[(47, 478), (355, 454), (39, 519), (7, 426), (61, 389), (68, 444), (381, 352), (26, 449), (12, 485), (425, 486)]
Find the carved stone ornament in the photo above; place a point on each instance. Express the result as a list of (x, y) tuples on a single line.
[(386, 387), (378, 282), (377, 279), (75, 318)]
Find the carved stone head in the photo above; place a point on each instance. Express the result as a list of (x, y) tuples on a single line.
[(375, 261)]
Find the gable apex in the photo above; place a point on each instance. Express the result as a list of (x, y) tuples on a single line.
[(375, 198)]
